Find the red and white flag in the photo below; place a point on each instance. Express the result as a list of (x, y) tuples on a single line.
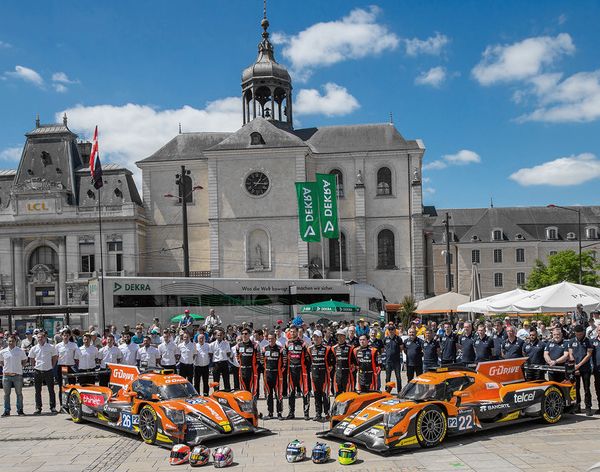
[(95, 166), (94, 151)]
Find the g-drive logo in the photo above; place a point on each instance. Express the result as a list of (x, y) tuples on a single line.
[(504, 370)]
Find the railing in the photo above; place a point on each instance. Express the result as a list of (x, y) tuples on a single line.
[(193, 273)]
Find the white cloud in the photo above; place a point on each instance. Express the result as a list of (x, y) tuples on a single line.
[(521, 60), (433, 77), (564, 171), (432, 45), (428, 190), (60, 80), (334, 102), (27, 74), (354, 36), (60, 88), (461, 158), (11, 154), (5, 45)]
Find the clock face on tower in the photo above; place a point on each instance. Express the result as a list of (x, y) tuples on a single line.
[(257, 183)]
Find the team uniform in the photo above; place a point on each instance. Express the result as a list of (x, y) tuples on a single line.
[(186, 361), (367, 362), (248, 355), (273, 361), (535, 356), (430, 353), (414, 357), (298, 362), (596, 367), (512, 350), (467, 348), (579, 348), (321, 360), (556, 350), (344, 375), (498, 339), (448, 348), (484, 348), (107, 355)]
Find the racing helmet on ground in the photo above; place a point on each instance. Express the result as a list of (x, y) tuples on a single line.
[(321, 453), (295, 451), (200, 456), (180, 454), (222, 457), (348, 453)]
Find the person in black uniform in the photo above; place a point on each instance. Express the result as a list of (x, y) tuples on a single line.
[(512, 347), (596, 365), (556, 353), (392, 352), (273, 355), (448, 343), (413, 347), (344, 364), (533, 349), (466, 343), (367, 363), (580, 352), (298, 365), (498, 339), (248, 357), (483, 345), (431, 350), (321, 360)]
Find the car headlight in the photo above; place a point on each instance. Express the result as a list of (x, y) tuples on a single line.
[(339, 408), (176, 416), (247, 406), (394, 417)]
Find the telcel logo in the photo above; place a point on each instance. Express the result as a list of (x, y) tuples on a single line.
[(504, 370), (524, 397)]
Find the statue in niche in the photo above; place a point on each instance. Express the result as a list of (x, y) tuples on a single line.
[(359, 178), (258, 261)]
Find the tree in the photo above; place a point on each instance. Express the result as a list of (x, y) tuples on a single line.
[(564, 266), (406, 311)]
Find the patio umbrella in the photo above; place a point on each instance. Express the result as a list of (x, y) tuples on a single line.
[(482, 305), (330, 306), (444, 303), (561, 297), (178, 318), (475, 293)]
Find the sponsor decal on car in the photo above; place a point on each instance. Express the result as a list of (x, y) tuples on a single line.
[(174, 379), (196, 401), (523, 397), (503, 370), (92, 399), (128, 420), (491, 385), (494, 406), (122, 375)]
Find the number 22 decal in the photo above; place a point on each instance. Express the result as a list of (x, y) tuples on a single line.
[(465, 422)]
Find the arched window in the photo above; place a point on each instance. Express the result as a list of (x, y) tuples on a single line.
[(384, 181), (386, 253), (43, 255), (340, 182), (186, 190), (334, 254)]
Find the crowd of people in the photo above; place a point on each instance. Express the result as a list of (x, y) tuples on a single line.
[(302, 360)]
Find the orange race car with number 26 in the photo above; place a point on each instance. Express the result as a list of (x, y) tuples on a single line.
[(160, 406), (449, 401)]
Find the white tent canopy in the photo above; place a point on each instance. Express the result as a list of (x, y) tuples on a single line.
[(483, 304), (561, 297)]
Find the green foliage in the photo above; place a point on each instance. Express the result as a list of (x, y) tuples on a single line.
[(564, 266), (406, 311)]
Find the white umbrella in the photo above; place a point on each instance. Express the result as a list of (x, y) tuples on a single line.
[(444, 303), (561, 297), (483, 304)]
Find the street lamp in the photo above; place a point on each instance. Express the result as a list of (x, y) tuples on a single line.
[(578, 211)]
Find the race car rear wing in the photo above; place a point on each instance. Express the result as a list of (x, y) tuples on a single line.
[(567, 369), (75, 377)]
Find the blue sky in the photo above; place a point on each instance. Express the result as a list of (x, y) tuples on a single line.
[(505, 95)]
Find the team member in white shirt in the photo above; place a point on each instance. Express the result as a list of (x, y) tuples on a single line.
[(221, 351), (187, 349), (280, 336), (148, 354), (68, 356), (109, 354), (87, 359), (43, 356), (202, 363), (169, 352), (128, 349), (12, 360)]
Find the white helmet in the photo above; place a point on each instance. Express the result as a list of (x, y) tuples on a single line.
[(222, 456), (295, 451)]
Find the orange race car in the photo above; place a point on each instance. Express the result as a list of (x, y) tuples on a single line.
[(160, 406), (449, 401)]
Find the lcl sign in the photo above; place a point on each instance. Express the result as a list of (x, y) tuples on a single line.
[(39, 206)]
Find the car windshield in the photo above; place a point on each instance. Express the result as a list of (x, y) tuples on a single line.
[(179, 390), (423, 391)]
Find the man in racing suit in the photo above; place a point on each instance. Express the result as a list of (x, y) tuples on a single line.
[(248, 355), (344, 364), (273, 359), (367, 362), (298, 365), (321, 360)]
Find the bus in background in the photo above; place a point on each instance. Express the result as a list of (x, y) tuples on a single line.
[(133, 300)]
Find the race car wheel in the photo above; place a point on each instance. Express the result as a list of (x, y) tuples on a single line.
[(431, 426), (74, 406), (148, 424), (553, 405)]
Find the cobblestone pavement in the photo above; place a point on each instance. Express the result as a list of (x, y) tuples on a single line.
[(53, 443)]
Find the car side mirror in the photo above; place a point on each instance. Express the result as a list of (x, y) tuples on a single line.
[(390, 386), (457, 397), (155, 397)]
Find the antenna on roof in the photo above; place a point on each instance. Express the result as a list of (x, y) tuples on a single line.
[(491, 202), (391, 118), (37, 121), (264, 9), (179, 128)]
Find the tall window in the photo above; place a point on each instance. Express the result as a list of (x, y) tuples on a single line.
[(592, 232), (87, 257), (384, 181), (497, 256), (520, 279), (497, 235), (115, 256), (475, 256), (498, 280), (551, 233), (386, 254), (186, 190), (334, 254), (44, 255), (340, 182), (520, 253)]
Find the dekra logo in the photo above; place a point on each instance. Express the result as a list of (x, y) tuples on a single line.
[(132, 287)]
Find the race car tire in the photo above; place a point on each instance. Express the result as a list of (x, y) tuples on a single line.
[(553, 405), (148, 424), (431, 426), (74, 407)]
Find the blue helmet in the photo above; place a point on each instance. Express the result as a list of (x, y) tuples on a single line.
[(321, 453)]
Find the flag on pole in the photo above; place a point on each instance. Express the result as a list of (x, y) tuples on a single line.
[(328, 214), (95, 166), (308, 211)]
